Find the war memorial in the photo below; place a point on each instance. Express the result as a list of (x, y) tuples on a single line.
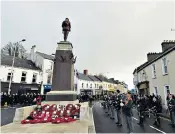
[(61, 112)]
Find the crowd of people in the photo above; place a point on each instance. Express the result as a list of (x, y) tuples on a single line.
[(13, 100), (116, 103)]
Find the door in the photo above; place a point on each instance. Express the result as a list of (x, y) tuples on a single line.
[(166, 91)]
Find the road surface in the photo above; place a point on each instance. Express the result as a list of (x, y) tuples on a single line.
[(103, 124)]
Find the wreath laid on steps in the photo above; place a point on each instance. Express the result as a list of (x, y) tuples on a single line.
[(54, 114)]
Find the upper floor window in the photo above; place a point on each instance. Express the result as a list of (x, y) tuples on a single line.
[(97, 85), (34, 78), (23, 77), (82, 85), (49, 77), (91, 86), (87, 85), (153, 71), (10, 76), (164, 66)]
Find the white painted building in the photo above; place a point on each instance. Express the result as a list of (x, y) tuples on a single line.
[(157, 75), (25, 75), (45, 63), (84, 84)]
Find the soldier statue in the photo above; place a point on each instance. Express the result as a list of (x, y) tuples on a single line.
[(66, 28)]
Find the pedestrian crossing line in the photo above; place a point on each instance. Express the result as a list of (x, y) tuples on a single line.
[(157, 129), (135, 118)]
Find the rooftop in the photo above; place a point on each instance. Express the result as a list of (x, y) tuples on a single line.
[(93, 78), (141, 67), (19, 62), (46, 56), (82, 76)]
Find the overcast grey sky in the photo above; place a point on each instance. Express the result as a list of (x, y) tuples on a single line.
[(107, 36)]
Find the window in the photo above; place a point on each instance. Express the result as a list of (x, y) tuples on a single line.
[(167, 88), (164, 66), (166, 92), (82, 85), (153, 71), (9, 76), (95, 85), (91, 86), (155, 91), (87, 85), (34, 78), (49, 79), (23, 77)]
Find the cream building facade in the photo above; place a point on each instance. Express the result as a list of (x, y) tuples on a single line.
[(157, 75)]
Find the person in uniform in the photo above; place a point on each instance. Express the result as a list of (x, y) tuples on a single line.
[(127, 110), (141, 109), (117, 106), (155, 111), (111, 105), (171, 107)]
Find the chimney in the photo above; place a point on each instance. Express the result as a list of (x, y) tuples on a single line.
[(167, 44), (151, 56), (32, 52), (33, 48), (86, 72)]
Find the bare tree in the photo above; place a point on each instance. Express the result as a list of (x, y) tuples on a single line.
[(9, 49)]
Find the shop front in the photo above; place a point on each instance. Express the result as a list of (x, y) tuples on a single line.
[(86, 91)]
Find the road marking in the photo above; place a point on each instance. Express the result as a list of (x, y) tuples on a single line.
[(157, 129), (135, 118)]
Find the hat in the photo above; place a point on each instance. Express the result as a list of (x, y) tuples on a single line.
[(118, 91)]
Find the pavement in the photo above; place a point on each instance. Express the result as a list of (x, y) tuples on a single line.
[(7, 115), (73, 127), (103, 124)]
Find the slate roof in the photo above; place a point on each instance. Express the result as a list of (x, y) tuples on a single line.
[(82, 76), (93, 78), (102, 78), (111, 80), (46, 56), (141, 67), (23, 63)]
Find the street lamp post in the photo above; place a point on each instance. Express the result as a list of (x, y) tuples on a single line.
[(13, 66)]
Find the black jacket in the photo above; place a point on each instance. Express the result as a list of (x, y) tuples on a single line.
[(66, 26)]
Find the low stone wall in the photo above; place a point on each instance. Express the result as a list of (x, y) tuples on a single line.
[(22, 113)]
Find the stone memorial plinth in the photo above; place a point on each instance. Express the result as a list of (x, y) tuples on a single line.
[(63, 74)]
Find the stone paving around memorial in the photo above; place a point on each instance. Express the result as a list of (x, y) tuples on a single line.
[(73, 127)]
